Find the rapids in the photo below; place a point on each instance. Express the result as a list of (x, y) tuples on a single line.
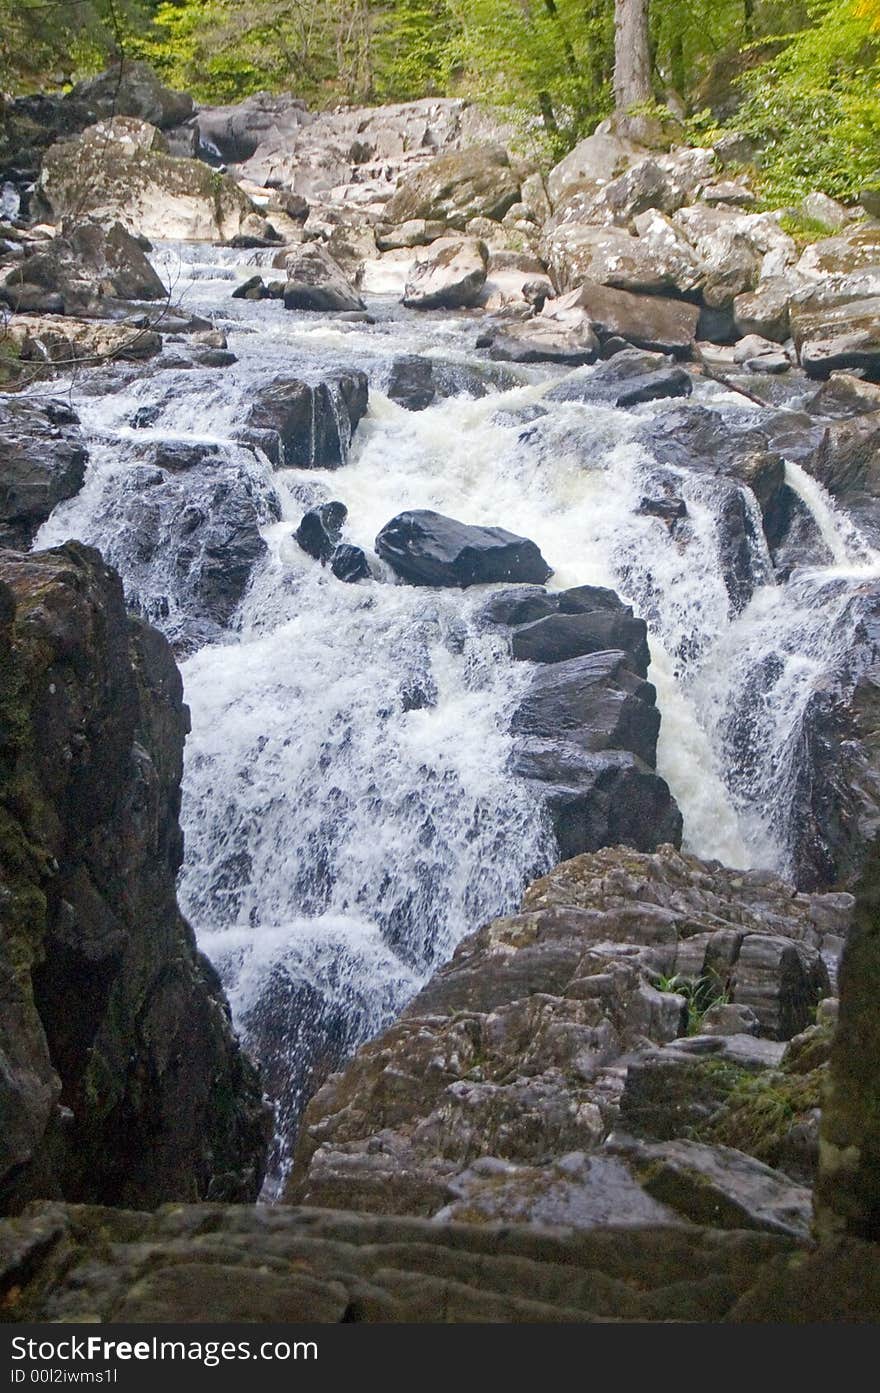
[(348, 809)]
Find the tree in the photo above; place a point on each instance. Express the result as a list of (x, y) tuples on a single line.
[(632, 55)]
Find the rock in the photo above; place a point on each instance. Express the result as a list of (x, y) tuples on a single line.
[(316, 282), (253, 288), (720, 1186), (131, 89), (42, 462), (186, 534), (765, 310), (152, 194), (674, 257), (312, 423), (558, 637), (595, 702), (350, 564), (64, 341), (630, 377), (517, 1050), (844, 337), (846, 254), (611, 256), (729, 193), (417, 232), (107, 1006), (449, 274), (820, 208), (652, 322), (237, 1263), (455, 187), (592, 163), (730, 1018), (425, 548), (411, 382), (561, 333), (88, 263), (256, 231), (847, 1192), (320, 530)]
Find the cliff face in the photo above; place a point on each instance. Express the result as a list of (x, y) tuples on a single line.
[(120, 1079)]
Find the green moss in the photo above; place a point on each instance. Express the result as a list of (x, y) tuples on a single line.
[(760, 1112), (804, 230)]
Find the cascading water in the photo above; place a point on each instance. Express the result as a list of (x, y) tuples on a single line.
[(348, 808)]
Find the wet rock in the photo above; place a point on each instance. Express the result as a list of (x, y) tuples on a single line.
[(316, 282), (312, 423), (426, 548), (411, 382), (449, 274), (627, 379), (320, 530), (595, 702), (456, 187), (42, 462), (107, 1006), (254, 288), (552, 627), (120, 180), (350, 564)]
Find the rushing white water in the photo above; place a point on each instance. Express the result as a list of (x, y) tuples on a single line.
[(348, 808)]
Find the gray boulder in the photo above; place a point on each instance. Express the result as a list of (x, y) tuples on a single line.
[(449, 274), (308, 425), (454, 188), (316, 282), (42, 463)]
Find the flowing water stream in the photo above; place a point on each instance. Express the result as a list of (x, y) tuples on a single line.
[(348, 809)]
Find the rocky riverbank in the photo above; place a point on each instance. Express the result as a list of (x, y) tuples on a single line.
[(500, 517)]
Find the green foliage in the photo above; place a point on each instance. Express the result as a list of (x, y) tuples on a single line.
[(815, 107), (61, 39), (804, 229), (699, 992)]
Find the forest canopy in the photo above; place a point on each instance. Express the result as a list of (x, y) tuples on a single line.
[(800, 77)]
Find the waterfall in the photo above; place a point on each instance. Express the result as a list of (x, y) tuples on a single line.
[(348, 806)]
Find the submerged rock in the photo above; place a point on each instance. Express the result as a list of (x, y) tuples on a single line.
[(426, 548), (121, 1082)]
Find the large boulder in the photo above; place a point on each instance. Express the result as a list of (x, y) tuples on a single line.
[(449, 274), (316, 282), (53, 341), (846, 336), (612, 256), (308, 425), (564, 337), (120, 1079), (151, 193), (646, 321), (517, 1051), (42, 462), (84, 266), (131, 88), (456, 187), (425, 548)]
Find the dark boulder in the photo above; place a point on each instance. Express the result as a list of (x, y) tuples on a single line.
[(120, 1079), (411, 382), (85, 266), (558, 637), (312, 423), (595, 703), (320, 530), (350, 564), (316, 282), (42, 463), (253, 288), (130, 89), (426, 548)]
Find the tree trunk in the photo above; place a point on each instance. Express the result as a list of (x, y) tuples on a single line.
[(632, 54)]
